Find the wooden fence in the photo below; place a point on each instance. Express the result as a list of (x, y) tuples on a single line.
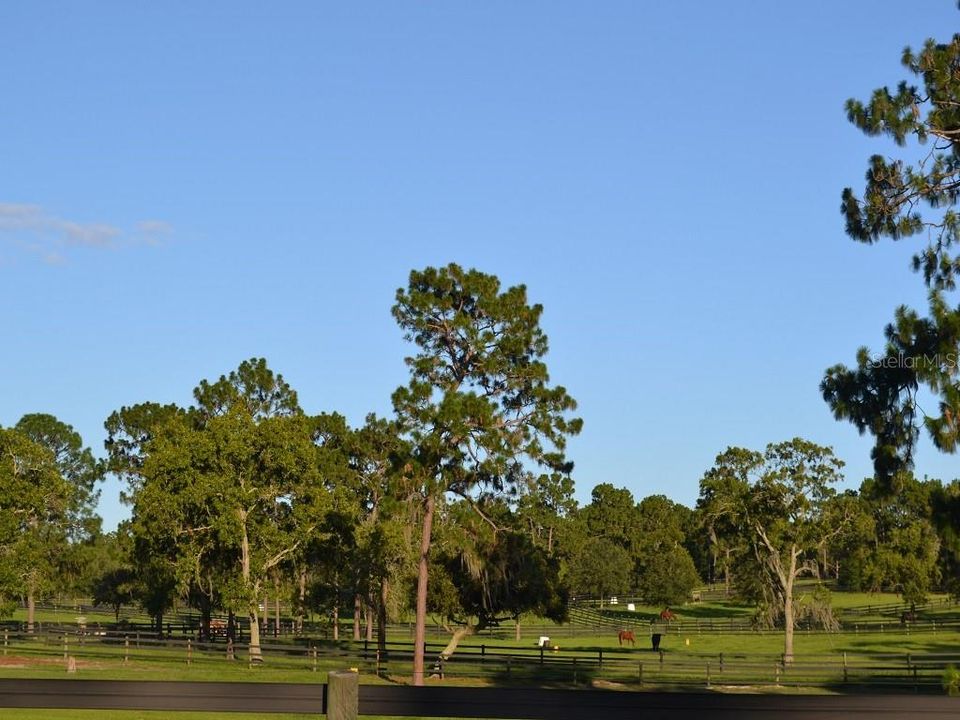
[(518, 703)]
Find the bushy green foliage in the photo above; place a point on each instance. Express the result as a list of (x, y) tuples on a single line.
[(951, 681), (598, 568), (35, 504), (891, 542), (667, 577)]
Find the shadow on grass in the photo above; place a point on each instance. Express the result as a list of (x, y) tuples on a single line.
[(884, 686), (547, 676), (708, 612), (687, 612), (918, 644)]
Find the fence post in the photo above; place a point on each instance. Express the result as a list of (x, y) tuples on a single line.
[(601, 658), (342, 695), (708, 673), (126, 648), (845, 667), (65, 648), (378, 662), (313, 651), (189, 651), (138, 639), (541, 654), (661, 657), (6, 641), (483, 654), (229, 648), (640, 673), (721, 663)]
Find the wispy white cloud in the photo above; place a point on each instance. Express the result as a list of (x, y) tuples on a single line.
[(153, 232), (34, 230)]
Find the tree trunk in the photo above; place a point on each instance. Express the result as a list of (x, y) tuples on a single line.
[(336, 620), (516, 629), (788, 626), (458, 635), (788, 611), (303, 599), (31, 607), (368, 621), (550, 541), (206, 612), (420, 634), (256, 656), (276, 609), (382, 617), (356, 617), (726, 575)]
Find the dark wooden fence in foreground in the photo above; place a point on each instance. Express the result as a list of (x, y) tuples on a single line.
[(466, 702)]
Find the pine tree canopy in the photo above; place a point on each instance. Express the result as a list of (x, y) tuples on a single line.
[(916, 199)]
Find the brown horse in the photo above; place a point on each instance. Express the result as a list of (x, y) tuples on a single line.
[(626, 636), (668, 615)]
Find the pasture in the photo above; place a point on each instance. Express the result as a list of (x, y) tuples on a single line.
[(709, 645)]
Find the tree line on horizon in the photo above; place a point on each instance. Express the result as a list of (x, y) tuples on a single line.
[(243, 501)]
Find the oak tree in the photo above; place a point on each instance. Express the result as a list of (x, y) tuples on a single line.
[(35, 501), (778, 507)]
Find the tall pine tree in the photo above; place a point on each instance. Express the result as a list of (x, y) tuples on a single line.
[(910, 199)]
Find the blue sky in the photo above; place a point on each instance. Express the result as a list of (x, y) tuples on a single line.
[(185, 185)]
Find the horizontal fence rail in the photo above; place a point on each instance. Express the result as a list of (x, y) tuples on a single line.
[(521, 704), (163, 695), (584, 627)]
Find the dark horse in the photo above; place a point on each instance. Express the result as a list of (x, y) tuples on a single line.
[(626, 636)]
